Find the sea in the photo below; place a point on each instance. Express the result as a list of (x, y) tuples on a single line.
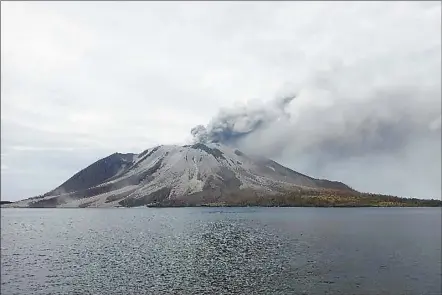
[(221, 251)]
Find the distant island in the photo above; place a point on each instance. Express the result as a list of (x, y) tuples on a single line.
[(5, 202)]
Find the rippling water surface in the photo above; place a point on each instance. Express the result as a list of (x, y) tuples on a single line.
[(221, 251)]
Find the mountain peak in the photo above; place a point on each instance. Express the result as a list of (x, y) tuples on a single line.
[(196, 173)]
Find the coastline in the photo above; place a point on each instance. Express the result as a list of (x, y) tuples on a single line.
[(234, 206), (300, 199)]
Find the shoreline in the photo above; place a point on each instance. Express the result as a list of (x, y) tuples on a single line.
[(303, 199), (226, 206)]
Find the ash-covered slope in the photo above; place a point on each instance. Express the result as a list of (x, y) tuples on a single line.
[(95, 174), (192, 174)]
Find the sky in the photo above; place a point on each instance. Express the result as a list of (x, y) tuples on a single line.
[(82, 80)]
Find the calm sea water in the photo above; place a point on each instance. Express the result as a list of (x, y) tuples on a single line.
[(221, 251)]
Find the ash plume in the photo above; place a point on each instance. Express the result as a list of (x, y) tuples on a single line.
[(385, 140), (230, 125)]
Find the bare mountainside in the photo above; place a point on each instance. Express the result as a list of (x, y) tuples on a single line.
[(196, 174)]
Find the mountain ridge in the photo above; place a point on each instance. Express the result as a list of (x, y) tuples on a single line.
[(195, 173)]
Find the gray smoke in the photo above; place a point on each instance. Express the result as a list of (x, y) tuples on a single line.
[(386, 140), (231, 125), (368, 104)]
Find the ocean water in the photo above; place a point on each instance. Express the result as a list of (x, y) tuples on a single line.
[(221, 251)]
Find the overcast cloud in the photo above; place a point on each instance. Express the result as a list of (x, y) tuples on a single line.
[(81, 80)]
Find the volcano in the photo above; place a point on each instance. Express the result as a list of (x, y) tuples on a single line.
[(197, 174)]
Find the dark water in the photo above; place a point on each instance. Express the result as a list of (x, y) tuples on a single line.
[(221, 251)]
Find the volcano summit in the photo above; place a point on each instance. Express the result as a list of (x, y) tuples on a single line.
[(197, 174)]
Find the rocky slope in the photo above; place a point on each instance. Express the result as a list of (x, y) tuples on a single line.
[(192, 175)]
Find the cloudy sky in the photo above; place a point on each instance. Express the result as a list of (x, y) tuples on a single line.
[(82, 80)]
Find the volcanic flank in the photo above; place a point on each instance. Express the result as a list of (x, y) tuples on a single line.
[(188, 175), (209, 174)]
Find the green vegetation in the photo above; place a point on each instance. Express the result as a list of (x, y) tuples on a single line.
[(306, 198), (338, 198)]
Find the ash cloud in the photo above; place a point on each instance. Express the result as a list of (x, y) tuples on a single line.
[(231, 125), (387, 140)]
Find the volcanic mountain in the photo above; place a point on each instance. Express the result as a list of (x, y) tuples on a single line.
[(196, 174)]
